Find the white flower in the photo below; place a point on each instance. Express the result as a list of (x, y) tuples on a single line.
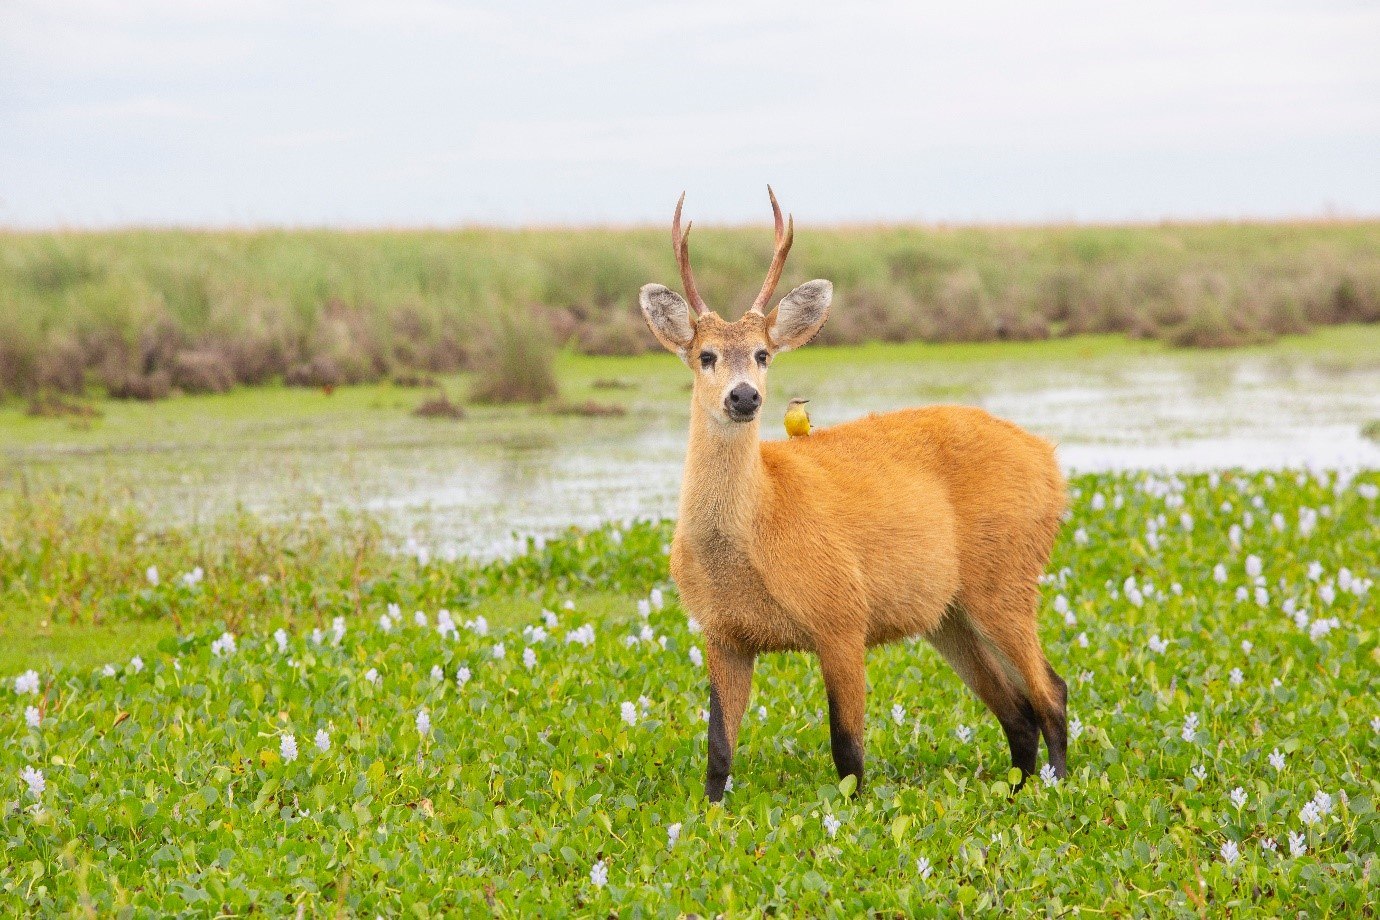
[(583, 635), (1246, 646), (462, 675), (1242, 594), (34, 780), (193, 578), (499, 651), (372, 676), (1315, 571), (288, 747), (672, 834), (1082, 640), (26, 682), (323, 740), (1309, 813), (630, 713), (696, 656), (445, 626), (1047, 775), (1296, 845), (529, 658), (645, 705), (136, 664), (437, 673), (898, 714), (1190, 731), (568, 605), (317, 636), (1075, 728), (338, 630), (1375, 725), (1368, 490), (646, 634), (151, 573), (1080, 537), (1158, 645), (1238, 797), (1236, 677), (923, 867), (109, 670), (599, 874), (549, 619), (479, 626), (658, 601), (1268, 844), (1200, 771), (1277, 760), (1061, 604), (1098, 502), (1326, 593), (762, 713), (1277, 521), (831, 824), (1234, 535), (225, 645), (385, 622), (1230, 852), (964, 733), (1262, 597), (1322, 626), (534, 633), (1323, 801), (32, 717), (423, 722), (728, 783), (280, 637), (644, 608), (420, 619)]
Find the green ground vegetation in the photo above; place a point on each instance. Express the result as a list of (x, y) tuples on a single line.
[(545, 756), (144, 313)]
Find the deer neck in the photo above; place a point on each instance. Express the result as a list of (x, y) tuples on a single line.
[(724, 478)]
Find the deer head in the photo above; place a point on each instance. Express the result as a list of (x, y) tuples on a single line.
[(730, 359)]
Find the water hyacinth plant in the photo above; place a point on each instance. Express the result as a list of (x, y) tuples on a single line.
[(568, 783)]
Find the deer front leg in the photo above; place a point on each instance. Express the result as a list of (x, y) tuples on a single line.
[(845, 680), (730, 682)]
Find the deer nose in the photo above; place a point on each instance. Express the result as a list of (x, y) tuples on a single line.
[(742, 401)]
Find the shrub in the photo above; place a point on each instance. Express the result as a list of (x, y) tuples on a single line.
[(518, 366), (202, 371)]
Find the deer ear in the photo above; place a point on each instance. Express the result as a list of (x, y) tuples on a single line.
[(800, 315), (668, 316)]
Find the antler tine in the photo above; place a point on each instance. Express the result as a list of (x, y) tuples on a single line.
[(680, 242), (778, 259)]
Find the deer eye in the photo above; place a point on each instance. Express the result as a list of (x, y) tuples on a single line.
[(707, 359), (762, 357)]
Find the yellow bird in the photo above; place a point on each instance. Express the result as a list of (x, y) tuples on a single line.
[(797, 419)]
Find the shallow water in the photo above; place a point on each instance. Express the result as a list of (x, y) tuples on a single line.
[(480, 486)]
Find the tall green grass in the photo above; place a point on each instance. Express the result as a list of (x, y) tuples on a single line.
[(142, 312)]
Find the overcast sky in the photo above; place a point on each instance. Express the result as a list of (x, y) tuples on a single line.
[(418, 112)]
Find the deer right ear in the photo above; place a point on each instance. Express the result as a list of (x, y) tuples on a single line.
[(799, 315), (668, 316)]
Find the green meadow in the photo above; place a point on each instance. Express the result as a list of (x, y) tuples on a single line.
[(299, 728)]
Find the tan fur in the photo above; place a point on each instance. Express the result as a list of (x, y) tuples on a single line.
[(933, 522)]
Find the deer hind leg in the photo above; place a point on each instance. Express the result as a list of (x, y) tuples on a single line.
[(980, 668), (730, 683), (1006, 620)]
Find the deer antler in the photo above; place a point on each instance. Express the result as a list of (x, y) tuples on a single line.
[(778, 260), (680, 242)]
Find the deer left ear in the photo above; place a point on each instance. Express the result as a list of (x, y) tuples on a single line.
[(800, 315)]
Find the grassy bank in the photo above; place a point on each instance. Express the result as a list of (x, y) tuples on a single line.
[(144, 313), (1225, 721)]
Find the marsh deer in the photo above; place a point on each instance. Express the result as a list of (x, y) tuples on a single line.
[(933, 522)]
